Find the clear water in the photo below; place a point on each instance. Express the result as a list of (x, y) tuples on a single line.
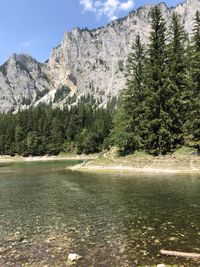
[(108, 219)]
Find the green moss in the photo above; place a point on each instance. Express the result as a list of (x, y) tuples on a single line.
[(185, 150)]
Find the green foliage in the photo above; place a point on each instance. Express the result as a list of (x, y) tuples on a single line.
[(156, 117), (128, 129), (176, 89), (61, 93), (185, 150), (160, 107), (70, 100), (40, 94), (43, 130), (193, 123), (26, 101)]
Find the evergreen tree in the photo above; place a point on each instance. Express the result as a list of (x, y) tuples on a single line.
[(157, 118), (176, 86), (46, 130), (2, 133), (18, 139), (128, 124), (194, 120), (10, 136)]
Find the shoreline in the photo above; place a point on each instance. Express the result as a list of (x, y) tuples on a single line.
[(109, 162), (9, 159), (129, 169), (140, 163)]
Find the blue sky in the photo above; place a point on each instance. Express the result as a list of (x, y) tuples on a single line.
[(36, 26)]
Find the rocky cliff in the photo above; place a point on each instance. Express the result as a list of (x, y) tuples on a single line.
[(86, 61)]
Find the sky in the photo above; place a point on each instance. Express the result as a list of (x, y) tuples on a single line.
[(36, 26)]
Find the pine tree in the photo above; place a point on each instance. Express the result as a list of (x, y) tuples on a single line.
[(18, 138), (128, 127), (194, 121), (3, 125), (157, 119), (176, 85)]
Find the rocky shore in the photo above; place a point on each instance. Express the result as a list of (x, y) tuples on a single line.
[(142, 163)]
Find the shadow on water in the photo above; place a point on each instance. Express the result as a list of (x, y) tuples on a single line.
[(109, 219)]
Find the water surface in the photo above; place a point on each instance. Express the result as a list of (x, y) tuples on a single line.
[(109, 219)]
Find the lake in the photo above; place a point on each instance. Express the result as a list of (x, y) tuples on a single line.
[(110, 219)]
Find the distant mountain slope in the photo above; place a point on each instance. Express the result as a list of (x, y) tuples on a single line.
[(85, 62)]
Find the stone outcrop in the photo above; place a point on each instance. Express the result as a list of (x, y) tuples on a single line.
[(23, 81), (86, 61)]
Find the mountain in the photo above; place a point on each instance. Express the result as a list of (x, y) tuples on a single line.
[(86, 61)]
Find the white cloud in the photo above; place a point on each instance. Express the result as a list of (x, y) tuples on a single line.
[(108, 8), (87, 4), (26, 44), (126, 5)]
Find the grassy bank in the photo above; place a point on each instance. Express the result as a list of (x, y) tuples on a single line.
[(183, 160), (62, 156)]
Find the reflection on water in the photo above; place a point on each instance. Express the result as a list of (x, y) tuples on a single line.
[(109, 219)]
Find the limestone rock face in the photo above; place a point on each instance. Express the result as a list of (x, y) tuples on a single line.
[(22, 79), (86, 61)]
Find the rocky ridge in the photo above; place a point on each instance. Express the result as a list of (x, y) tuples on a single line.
[(86, 61)]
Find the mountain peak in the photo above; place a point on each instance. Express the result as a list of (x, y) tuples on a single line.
[(87, 61)]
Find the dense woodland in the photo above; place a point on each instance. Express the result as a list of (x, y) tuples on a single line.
[(159, 110), (41, 130), (160, 106)]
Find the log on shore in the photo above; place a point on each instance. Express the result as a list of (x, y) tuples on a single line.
[(180, 254)]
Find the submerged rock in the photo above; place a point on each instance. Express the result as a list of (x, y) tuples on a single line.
[(172, 238), (14, 238), (157, 241), (3, 250), (74, 257), (50, 239)]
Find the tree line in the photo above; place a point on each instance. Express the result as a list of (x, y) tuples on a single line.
[(41, 130), (159, 109)]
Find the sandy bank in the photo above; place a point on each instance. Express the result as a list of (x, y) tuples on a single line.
[(109, 161), (130, 169), (7, 159)]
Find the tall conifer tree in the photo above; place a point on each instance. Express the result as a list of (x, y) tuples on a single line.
[(176, 86), (128, 126), (194, 121), (157, 135)]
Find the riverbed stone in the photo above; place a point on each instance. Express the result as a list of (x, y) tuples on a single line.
[(13, 238), (161, 265), (50, 239), (173, 238), (74, 257), (2, 249), (157, 241)]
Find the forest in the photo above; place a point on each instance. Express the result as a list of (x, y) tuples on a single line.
[(44, 130), (158, 111)]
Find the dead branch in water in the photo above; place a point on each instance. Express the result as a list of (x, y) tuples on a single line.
[(179, 254)]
